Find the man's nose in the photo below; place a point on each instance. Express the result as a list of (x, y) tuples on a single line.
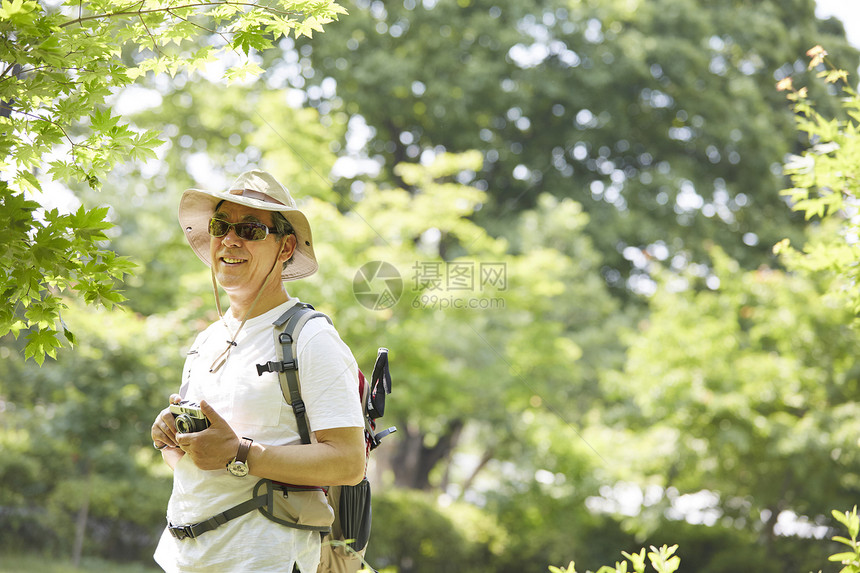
[(231, 238)]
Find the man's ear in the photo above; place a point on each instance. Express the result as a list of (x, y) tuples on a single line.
[(289, 247)]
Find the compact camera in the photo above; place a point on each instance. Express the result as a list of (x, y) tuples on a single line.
[(188, 417)]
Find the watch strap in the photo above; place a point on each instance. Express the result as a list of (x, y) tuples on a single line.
[(244, 448)]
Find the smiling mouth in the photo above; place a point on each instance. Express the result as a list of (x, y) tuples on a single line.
[(232, 261)]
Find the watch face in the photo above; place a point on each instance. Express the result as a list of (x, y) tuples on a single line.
[(238, 469)]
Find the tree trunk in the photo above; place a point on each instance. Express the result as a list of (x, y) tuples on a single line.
[(775, 509), (412, 461), (81, 525)]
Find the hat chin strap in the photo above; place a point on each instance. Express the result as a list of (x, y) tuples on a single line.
[(222, 358)]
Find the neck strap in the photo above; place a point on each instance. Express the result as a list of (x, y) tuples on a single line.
[(222, 358)]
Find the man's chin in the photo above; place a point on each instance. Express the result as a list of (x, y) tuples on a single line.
[(230, 277), (232, 280)]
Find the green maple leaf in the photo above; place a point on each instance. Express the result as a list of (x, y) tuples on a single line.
[(41, 343), (41, 314), (102, 120), (90, 224)]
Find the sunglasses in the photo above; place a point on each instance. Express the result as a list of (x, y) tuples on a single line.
[(247, 231)]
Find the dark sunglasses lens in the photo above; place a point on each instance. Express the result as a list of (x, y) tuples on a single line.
[(251, 231), (218, 228), (246, 231)]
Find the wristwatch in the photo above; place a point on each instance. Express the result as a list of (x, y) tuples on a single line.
[(239, 466)]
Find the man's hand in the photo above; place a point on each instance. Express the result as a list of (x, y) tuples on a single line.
[(164, 428), (214, 447)]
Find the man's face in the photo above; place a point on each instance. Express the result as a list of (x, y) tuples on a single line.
[(241, 266)]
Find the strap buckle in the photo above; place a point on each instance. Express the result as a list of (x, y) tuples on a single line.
[(378, 437), (276, 367), (181, 531), (299, 407)]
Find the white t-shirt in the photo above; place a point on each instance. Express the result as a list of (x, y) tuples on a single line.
[(255, 407)]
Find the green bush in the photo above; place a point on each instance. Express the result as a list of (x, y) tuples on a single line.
[(13, 563), (413, 534), (664, 559)]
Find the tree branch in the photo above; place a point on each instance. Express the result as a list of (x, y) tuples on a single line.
[(155, 47), (59, 126), (485, 459), (170, 9), (7, 70), (204, 28)]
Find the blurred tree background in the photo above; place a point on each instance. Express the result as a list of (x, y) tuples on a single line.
[(594, 346)]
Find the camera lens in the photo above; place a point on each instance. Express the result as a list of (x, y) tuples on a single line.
[(184, 424)]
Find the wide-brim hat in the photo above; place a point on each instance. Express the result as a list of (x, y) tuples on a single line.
[(257, 189)]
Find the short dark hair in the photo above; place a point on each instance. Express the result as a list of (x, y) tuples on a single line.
[(283, 228), (282, 225)]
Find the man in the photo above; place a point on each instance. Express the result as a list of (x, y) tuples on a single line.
[(251, 236)]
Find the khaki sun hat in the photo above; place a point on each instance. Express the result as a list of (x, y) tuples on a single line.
[(257, 189)]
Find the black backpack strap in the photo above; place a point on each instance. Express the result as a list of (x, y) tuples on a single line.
[(263, 501), (195, 530), (286, 332)]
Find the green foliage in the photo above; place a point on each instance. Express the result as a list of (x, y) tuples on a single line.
[(76, 435), (664, 560), (824, 181), (40, 259), (13, 563), (658, 117), (546, 520), (746, 390), (58, 67), (851, 559), (526, 409), (411, 532)]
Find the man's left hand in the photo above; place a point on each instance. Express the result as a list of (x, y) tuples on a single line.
[(214, 447)]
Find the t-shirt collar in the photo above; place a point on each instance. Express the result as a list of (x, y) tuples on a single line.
[(267, 317)]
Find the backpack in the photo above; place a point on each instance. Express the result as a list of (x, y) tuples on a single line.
[(345, 543), (341, 514)]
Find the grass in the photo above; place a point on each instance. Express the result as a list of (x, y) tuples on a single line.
[(41, 564)]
